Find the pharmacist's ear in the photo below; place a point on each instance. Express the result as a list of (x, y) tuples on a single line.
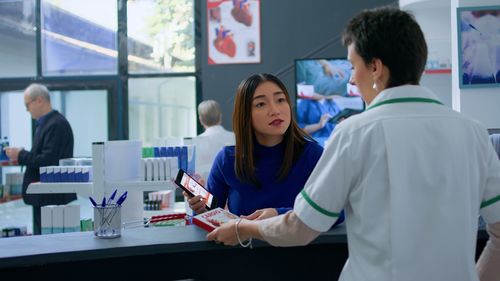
[(380, 75), (376, 69)]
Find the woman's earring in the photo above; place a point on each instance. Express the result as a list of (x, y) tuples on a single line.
[(374, 85)]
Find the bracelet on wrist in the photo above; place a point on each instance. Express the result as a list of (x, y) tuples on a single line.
[(244, 245)]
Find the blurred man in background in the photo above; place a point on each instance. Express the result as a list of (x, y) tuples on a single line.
[(213, 139), (53, 141)]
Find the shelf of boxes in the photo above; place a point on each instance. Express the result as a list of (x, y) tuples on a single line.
[(123, 158), (80, 188), (140, 185), (85, 189)]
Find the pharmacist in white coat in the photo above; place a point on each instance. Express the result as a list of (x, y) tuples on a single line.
[(213, 139), (411, 174)]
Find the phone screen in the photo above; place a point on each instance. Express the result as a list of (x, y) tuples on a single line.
[(196, 189)]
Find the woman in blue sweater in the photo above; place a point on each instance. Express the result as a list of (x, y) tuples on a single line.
[(262, 174)]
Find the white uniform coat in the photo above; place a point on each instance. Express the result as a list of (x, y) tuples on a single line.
[(208, 144), (412, 176)]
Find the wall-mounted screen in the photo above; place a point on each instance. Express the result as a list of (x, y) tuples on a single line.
[(324, 95), (479, 46)]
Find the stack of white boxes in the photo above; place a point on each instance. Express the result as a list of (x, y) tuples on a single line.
[(159, 168), (185, 154), (60, 218)]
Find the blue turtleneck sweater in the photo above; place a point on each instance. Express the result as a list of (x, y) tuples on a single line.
[(243, 198)]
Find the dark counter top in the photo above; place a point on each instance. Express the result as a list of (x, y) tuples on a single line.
[(79, 246), (175, 253)]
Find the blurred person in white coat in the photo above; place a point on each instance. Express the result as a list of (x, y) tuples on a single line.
[(213, 139)]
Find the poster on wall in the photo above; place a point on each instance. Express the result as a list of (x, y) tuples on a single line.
[(233, 31), (479, 46)]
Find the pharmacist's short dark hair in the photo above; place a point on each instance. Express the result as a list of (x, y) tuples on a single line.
[(37, 90), (209, 112), (394, 37)]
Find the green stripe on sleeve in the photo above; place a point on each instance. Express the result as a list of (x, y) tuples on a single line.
[(317, 207), (489, 202)]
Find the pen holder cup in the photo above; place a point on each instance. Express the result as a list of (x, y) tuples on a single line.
[(108, 221)]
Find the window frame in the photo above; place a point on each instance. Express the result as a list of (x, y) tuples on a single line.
[(116, 85)]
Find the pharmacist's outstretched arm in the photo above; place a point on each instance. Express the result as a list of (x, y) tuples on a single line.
[(262, 214), (488, 265), (285, 230)]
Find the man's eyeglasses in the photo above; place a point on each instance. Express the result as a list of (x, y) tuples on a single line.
[(28, 104)]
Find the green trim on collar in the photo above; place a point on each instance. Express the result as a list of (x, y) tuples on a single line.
[(317, 207), (402, 100), (489, 202)]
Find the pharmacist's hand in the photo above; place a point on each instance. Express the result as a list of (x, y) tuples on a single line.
[(262, 214), (12, 152), (196, 203), (225, 234)]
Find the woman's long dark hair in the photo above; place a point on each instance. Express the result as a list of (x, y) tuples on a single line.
[(294, 138)]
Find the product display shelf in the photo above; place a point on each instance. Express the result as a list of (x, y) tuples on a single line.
[(81, 188), (102, 186), (85, 189), (140, 185), (179, 207)]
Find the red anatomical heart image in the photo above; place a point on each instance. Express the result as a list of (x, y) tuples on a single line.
[(224, 42), (241, 12)]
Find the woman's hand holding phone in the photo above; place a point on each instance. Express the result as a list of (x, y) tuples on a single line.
[(195, 193), (196, 203)]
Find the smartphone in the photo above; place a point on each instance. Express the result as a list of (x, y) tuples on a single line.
[(193, 188)]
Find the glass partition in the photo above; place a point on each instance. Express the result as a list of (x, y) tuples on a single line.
[(160, 36), (79, 37), (162, 107), (87, 113), (17, 37), (15, 120)]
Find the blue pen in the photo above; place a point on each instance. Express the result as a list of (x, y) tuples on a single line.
[(112, 197), (93, 201), (122, 198), (103, 203)]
